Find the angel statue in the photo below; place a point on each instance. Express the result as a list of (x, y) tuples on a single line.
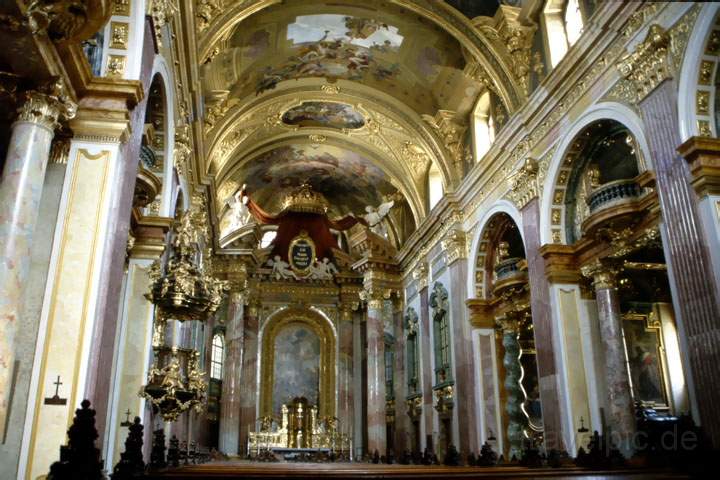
[(374, 217), (239, 213), (281, 268), (324, 270)]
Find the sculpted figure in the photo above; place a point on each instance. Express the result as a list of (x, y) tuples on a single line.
[(375, 216), (281, 269)]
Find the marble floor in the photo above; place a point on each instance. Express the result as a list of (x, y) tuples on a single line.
[(251, 470)]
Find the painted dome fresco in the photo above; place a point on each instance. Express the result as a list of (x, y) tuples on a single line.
[(380, 45)]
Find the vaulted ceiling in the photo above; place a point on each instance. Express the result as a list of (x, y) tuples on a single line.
[(358, 98)]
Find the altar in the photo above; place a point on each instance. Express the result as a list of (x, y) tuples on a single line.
[(299, 433)]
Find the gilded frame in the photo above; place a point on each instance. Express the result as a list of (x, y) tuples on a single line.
[(322, 328), (651, 325)]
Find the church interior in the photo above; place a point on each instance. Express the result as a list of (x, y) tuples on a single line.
[(344, 238)]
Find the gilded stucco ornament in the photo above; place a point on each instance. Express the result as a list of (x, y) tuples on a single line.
[(205, 11), (602, 273), (454, 245), (511, 39), (183, 151), (46, 106), (59, 19), (161, 12), (524, 184), (655, 59), (451, 132)]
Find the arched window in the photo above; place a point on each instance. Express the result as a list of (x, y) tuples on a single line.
[(267, 238), (412, 360), (563, 24), (217, 357), (435, 185), (484, 126), (573, 21), (441, 333)]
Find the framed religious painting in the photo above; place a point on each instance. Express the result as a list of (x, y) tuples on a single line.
[(646, 358)]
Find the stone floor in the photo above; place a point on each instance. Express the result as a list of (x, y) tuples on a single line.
[(250, 470)]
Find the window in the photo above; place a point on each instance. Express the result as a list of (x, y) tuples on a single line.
[(217, 356), (435, 186), (563, 24), (484, 126), (441, 331), (267, 238), (573, 22)]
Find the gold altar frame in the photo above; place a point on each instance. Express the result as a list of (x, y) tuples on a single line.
[(323, 329)]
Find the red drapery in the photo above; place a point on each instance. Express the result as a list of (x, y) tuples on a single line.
[(290, 224)]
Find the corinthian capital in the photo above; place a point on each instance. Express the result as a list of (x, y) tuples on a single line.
[(46, 106), (603, 274)]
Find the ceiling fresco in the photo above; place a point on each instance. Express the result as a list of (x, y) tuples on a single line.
[(348, 180), (324, 114), (379, 45)]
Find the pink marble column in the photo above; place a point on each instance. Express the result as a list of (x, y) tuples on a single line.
[(402, 421), (231, 386), (345, 372), (20, 192), (376, 426), (696, 291), (248, 376), (426, 373), (543, 327), (621, 416), (464, 360)]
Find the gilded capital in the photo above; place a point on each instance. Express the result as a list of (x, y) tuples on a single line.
[(508, 324), (45, 108), (603, 275), (524, 184), (420, 275), (455, 245)]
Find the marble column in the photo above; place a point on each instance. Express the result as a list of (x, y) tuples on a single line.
[(20, 192), (621, 416), (346, 400), (543, 327), (426, 373), (248, 375), (511, 362), (402, 427), (696, 291), (376, 427), (231, 385), (463, 358)]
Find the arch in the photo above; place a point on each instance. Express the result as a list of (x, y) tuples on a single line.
[(601, 111), (323, 328), (689, 82), (500, 206), (162, 70)]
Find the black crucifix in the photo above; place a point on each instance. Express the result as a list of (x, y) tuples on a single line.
[(127, 421), (55, 399)]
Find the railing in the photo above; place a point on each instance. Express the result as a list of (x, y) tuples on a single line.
[(611, 193), (508, 268)]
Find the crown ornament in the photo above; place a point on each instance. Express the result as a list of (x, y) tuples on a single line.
[(305, 199)]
